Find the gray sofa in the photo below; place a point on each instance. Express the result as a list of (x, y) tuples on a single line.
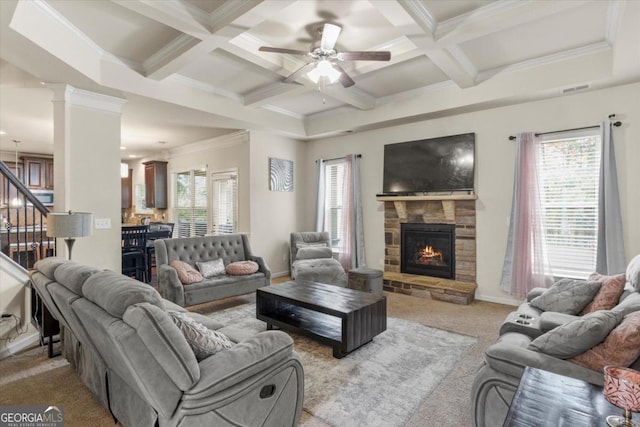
[(499, 375), (118, 335), (231, 248)]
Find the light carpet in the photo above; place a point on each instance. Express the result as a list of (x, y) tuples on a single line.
[(380, 384)]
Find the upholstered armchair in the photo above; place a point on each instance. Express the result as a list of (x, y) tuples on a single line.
[(312, 259)]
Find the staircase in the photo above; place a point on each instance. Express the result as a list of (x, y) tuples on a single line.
[(23, 221)]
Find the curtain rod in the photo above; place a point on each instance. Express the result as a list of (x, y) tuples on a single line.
[(338, 158), (616, 124)]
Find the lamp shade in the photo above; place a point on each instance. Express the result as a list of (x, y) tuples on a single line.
[(68, 224)]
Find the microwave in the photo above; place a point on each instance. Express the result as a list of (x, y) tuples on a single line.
[(44, 196)]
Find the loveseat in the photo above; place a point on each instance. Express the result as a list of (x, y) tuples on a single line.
[(121, 337), (566, 344), (230, 248)]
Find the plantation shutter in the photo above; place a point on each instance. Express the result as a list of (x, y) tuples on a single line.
[(334, 185), (569, 172), (224, 191), (190, 203)]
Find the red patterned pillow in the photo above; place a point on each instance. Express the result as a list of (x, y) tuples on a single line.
[(242, 268), (620, 348), (186, 273), (609, 293)]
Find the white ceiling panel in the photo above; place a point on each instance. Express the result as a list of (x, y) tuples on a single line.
[(443, 10), (558, 33), (115, 29)]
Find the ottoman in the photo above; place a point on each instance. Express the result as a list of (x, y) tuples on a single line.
[(366, 280)]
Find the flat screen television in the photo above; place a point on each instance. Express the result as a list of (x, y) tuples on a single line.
[(442, 164)]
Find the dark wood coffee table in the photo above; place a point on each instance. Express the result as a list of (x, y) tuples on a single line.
[(343, 318)]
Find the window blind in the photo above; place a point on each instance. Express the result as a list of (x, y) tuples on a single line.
[(334, 187), (569, 177), (224, 202), (190, 203)]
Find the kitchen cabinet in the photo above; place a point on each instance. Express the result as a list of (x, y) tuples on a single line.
[(127, 191), (155, 181), (6, 196), (38, 172)]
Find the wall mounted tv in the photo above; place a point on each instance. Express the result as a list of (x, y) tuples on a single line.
[(442, 164)]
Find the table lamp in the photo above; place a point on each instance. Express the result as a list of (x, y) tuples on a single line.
[(622, 388), (69, 225)]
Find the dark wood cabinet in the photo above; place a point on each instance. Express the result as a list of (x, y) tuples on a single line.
[(155, 180), (7, 191), (38, 172), (127, 191)]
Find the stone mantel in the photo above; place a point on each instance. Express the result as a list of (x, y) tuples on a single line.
[(455, 209), (427, 197)]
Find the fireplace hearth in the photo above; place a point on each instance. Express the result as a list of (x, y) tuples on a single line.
[(428, 250)]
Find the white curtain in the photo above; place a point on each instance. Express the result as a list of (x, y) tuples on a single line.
[(352, 249), (526, 265), (610, 257), (320, 208)]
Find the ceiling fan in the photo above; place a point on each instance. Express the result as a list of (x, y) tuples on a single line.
[(325, 58)]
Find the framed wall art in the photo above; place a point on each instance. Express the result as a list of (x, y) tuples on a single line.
[(280, 175)]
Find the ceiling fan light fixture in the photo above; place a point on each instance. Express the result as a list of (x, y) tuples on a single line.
[(324, 69)]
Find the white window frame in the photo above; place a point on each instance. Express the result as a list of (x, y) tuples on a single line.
[(222, 214), (196, 210), (570, 216), (334, 189)]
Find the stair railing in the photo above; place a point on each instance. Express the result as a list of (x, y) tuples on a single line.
[(23, 236)]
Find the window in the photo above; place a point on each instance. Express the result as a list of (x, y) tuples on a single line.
[(190, 206), (569, 167), (334, 187), (224, 202)]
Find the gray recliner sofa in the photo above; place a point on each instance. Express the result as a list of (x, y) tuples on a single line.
[(231, 248), (499, 375), (118, 335)]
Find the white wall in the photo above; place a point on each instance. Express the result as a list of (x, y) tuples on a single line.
[(275, 214), (223, 153), (494, 167)]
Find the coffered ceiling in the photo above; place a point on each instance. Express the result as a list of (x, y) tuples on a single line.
[(191, 69)]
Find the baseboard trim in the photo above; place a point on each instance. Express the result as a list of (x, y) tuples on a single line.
[(20, 345), (280, 274), (505, 301)]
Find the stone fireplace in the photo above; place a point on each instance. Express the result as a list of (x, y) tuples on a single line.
[(447, 222)]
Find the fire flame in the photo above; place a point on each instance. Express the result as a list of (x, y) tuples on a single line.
[(430, 256)]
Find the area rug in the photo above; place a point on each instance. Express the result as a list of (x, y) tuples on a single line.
[(380, 384)]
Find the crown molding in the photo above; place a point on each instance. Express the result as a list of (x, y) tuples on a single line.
[(84, 98)]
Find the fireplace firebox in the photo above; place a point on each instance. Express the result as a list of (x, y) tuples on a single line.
[(428, 250)]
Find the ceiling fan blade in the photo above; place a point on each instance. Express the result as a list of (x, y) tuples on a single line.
[(330, 35), (302, 70), (281, 50), (344, 78), (365, 56)]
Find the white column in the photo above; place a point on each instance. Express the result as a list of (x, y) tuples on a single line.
[(86, 129)]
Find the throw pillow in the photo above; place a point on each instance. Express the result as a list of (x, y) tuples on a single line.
[(569, 340), (242, 268), (620, 348), (186, 273), (313, 252), (211, 268), (311, 245), (567, 296), (203, 341), (609, 293)]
